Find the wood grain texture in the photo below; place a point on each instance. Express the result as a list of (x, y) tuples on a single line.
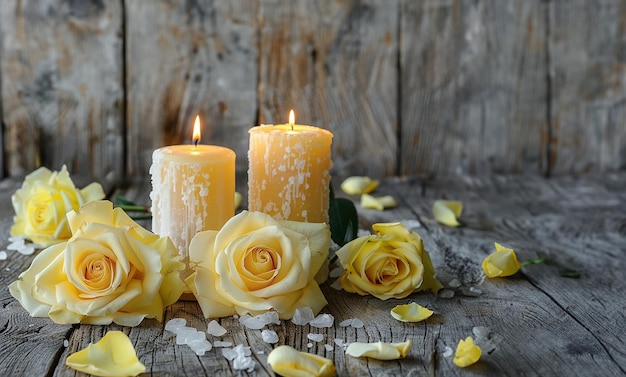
[(473, 87), (548, 325), (335, 63), (62, 89), (587, 46), (197, 57)]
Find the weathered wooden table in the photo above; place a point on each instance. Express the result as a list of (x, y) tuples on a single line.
[(549, 325)]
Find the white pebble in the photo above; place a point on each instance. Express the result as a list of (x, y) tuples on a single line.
[(66, 343), (323, 320), (302, 316), (448, 352), (3, 255), (309, 345), (215, 329), (315, 337), (269, 336)]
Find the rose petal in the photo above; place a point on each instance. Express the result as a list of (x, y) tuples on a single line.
[(447, 212), (358, 185), (466, 353), (411, 312), (377, 203), (113, 355), (380, 350), (503, 262), (288, 362)]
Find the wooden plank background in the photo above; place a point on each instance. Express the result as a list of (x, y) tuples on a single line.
[(407, 87)]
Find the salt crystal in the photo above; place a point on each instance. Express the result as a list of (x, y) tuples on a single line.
[(254, 323), (315, 337), (215, 329), (475, 290), (221, 344), (16, 239), (328, 347), (446, 293), (244, 363), (309, 345), (302, 316), (447, 352), (269, 336), (481, 332), (16, 245), (339, 342), (335, 272), (261, 353), (200, 346), (3, 255), (270, 317), (356, 323), (239, 350), (184, 335), (454, 283), (27, 250), (335, 285), (66, 343), (323, 320), (174, 324), (345, 322)]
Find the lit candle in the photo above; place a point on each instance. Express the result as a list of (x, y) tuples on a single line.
[(193, 187), (289, 171)]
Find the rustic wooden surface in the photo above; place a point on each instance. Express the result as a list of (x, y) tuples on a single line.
[(549, 325), (407, 87)]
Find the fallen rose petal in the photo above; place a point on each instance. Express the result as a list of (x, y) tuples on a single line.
[(358, 185), (447, 212), (380, 350), (288, 362), (113, 355), (467, 353), (411, 312), (501, 263), (379, 203)]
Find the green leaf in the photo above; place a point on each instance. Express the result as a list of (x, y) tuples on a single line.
[(120, 200), (343, 219), (567, 273)]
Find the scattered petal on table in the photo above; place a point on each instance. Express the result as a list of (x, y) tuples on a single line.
[(289, 362), (379, 203), (502, 262), (358, 185), (467, 353), (113, 355), (447, 212), (380, 350), (412, 312)]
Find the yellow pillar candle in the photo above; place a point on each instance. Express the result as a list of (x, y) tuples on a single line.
[(193, 189), (289, 171)]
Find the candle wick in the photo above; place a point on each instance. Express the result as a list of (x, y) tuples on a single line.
[(291, 126), (195, 143)]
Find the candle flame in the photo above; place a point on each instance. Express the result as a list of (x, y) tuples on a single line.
[(292, 118), (196, 130)]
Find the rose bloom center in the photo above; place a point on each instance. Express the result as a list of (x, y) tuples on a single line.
[(261, 262)]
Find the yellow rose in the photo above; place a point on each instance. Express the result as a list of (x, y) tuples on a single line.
[(502, 262), (110, 270), (42, 202), (255, 264), (390, 263)]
